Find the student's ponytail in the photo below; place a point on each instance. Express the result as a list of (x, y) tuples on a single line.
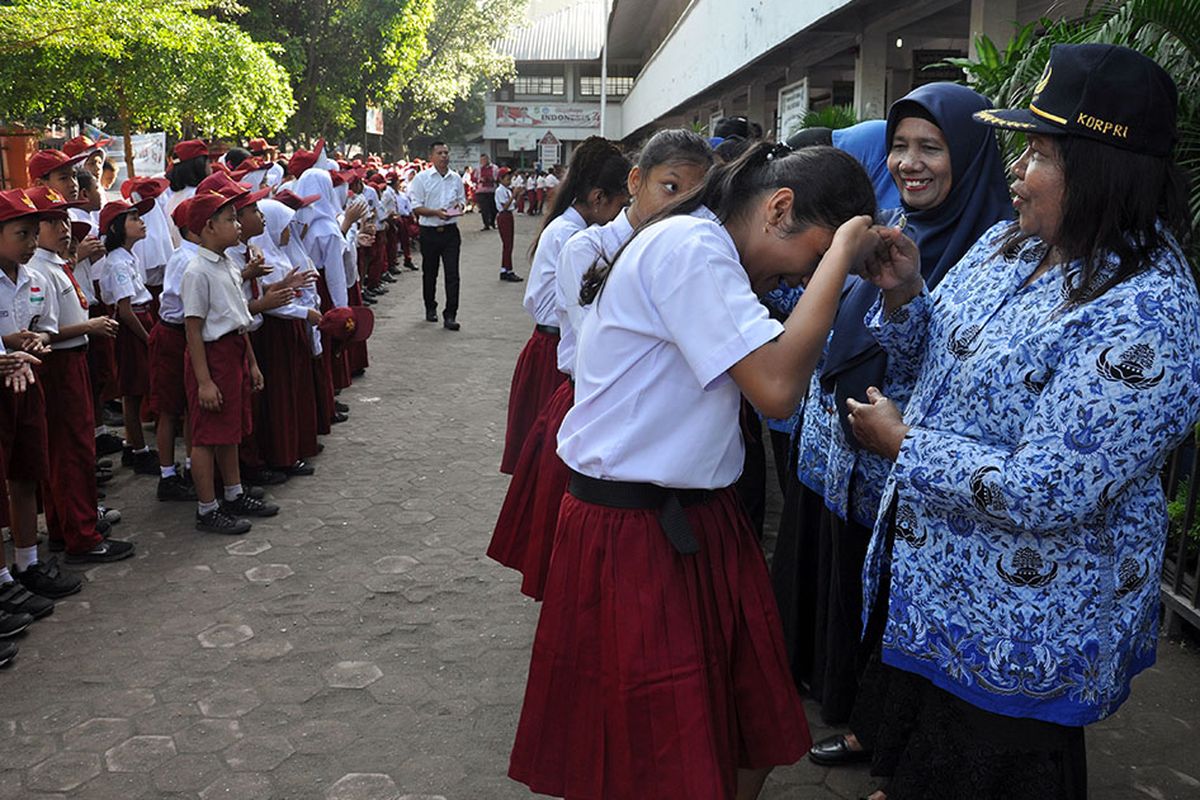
[(596, 164), (829, 187)]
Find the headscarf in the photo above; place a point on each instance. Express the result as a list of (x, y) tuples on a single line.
[(869, 143), (978, 199), (321, 216), (155, 250), (276, 217)]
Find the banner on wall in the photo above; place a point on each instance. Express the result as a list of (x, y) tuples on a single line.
[(536, 116), (793, 105)]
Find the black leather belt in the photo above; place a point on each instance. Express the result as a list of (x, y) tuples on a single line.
[(552, 330), (439, 228), (669, 503), (175, 326)]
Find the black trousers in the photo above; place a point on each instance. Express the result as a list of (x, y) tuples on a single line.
[(487, 208), (440, 246)]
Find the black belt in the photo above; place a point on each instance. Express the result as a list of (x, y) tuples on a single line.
[(552, 330), (175, 326), (670, 504), (439, 228), (79, 348)]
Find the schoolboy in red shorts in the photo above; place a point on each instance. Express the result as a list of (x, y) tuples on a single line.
[(221, 369)]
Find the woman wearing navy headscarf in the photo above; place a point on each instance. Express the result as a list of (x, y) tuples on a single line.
[(951, 184)]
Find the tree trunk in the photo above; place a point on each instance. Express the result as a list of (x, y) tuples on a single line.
[(123, 112)]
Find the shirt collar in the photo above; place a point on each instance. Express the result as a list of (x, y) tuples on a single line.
[(575, 216), (42, 254), (208, 255)]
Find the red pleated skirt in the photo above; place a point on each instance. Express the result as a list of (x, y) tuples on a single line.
[(356, 352), (288, 411), (166, 353), (133, 358), (534, 380), (524, 533), (339, 367), (654, 674), (102, 360)]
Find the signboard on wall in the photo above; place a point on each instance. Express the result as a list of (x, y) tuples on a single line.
[(793, 105), (149, 155), (375, 120), (549, 150), (540, 116)]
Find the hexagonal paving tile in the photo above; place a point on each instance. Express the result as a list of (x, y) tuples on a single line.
[(229, 703), (322, 736), (208, 736), (192, 574), (258, 753), (393, 565), (64, 772), (124, 702), (225, 635), (247, 547), (352, 674), (25, 751), (97, 735), (140, 753), (54, 719), (363, 786), (267, 573), (188, 773), (242, 786)]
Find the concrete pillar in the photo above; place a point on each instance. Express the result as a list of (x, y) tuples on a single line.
[(756, 105), (569, 77), (994, 19), (870, 73)]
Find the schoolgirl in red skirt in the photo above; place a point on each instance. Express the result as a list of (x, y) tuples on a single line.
[(122, 287), (593, 193), (658, 668), (672, 162)]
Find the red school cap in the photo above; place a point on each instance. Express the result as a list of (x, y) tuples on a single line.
[(202, 206), (147, 188), (115, 208), (179, 216), (52, 204), (43, 162), (84, 145), (15, 203), (190, 148), (301, 161), (295, 201), (80, 230), (257, 145), (348, 323)]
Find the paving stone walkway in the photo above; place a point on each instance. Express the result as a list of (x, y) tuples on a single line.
[(361, 646)]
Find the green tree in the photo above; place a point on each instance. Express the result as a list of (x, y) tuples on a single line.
[(177, 65), (458, 62)]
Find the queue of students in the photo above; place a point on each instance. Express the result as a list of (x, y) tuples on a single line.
[(224, 303), (983, 395)]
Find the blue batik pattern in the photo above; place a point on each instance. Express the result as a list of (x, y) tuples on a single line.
[(1030, 520)]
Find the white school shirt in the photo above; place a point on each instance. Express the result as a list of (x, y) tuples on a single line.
[(432, 190), (21, 303), (541, 182), (518, 182), (404, 206), (551, 181), (122, 277), (539, 299), (237, 256), (212, 291), (155, 250), (503, 197), (172, 202), (654, 402), (170, 302), (388, 198), (599, 243), (87, 271), (63, 305)]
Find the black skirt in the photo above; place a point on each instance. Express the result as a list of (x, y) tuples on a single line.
[(817, 577), (930, 745)]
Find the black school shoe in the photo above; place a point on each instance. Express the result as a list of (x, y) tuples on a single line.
[(431, 315), (510, 277), (263, 476), (834, 751), (12, 624), (247, 506), (104, 553), (300, 468), (108, 444), (144, 463), (175, 488), (219, 521), (46, 579), (339, 418), (410, 265), (16, 600), (450, 324), (8, 651), (341, 407)]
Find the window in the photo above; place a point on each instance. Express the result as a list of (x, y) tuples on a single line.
[(618, 85), (539, 84)]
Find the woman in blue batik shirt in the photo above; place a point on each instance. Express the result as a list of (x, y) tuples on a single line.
[(949, 177), (1013, 573)]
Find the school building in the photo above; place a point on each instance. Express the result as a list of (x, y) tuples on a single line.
[(686, 63)]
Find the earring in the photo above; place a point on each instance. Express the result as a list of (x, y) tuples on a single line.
[(766, 227)]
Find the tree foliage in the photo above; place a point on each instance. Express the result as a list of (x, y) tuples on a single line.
[(175, 65)]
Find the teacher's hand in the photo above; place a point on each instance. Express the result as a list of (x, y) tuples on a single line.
[(877, 424), (896, 265)]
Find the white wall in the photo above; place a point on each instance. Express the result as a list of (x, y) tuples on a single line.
[(712, 40)]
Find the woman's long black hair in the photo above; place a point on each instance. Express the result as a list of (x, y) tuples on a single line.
[(188, 173), (1114, 202), (114, 237), (596, 164), (829, 185)]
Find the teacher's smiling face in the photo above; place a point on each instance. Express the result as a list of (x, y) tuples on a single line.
[(919, 160), (1040, 188)]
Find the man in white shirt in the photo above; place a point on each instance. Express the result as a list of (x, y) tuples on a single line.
[(438, 201)]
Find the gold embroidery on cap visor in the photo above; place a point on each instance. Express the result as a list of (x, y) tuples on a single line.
[(1043, 82), (990, 118), (350, 325), (1046, 115)]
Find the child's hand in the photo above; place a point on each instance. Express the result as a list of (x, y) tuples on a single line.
[(255, 267), (210, 397), (106, 327), (32, 342), (896, 264), (298, 280), (314, 317), (15, 362), (256, 379), (277, 294), (21, 378), (89, 248)]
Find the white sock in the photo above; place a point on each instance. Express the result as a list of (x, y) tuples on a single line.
[(205, 508), (101, 430), (167, 472), (143, 449), (5, 576), (187, 463), (26, 557), (233, 492)]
